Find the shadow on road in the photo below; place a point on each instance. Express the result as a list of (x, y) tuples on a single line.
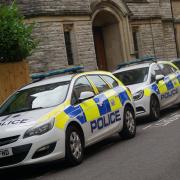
[(35, 171)]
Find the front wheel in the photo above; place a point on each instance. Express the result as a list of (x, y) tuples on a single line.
[(129, 127), (154, 109), (74, 146)]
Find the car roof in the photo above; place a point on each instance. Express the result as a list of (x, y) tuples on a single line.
[(133, 66), (51, 80)]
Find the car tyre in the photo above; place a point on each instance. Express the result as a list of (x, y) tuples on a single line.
[(154, 109), (129, 126), (74, 146)]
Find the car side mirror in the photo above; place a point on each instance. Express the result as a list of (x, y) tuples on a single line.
[(86, 95), (159, 77)]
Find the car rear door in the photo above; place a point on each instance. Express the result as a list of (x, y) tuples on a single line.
[(169, 96)]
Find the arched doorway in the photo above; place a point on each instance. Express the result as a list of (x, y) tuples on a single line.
[(107, 39)]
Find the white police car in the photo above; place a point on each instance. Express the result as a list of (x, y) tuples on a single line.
[(58, 117), (154, 85)]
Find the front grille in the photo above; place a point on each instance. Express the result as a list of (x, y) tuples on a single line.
[(19, 154), (8, 140)]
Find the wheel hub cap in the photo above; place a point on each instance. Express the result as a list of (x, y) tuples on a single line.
[(75, 145), (130, 121)]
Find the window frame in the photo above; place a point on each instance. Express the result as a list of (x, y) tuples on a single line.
[(165, 64), (73, 86), (150, 79), (103, 75), (99, 75)]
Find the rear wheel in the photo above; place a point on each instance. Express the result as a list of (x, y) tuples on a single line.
[(129, 127), (74, 146), (154, 109)]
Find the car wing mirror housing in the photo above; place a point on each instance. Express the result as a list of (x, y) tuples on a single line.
[(86, 95), (159, 78)]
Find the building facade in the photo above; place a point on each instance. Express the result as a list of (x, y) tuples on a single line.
[(100, 34)]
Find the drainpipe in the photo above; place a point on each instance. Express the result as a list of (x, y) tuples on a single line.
[(174, 27)]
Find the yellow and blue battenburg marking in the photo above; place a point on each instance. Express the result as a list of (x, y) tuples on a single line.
[(99, 106), (77, 112), (155, 88)]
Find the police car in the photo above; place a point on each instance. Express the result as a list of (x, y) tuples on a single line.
[(59, 116), (155, 85)]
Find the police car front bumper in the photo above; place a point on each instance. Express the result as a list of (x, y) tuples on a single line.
[(36, 149), (142, 106)]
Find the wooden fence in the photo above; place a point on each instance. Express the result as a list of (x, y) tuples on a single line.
[(12, 77)]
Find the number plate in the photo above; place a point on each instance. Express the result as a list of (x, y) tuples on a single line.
[(5, 152)]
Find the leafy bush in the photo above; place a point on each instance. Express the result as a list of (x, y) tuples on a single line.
[(16, 41)]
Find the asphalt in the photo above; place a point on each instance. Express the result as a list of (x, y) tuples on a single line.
[(154, 154)]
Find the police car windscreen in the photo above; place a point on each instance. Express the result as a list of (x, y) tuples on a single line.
[(44, 96), (134, 76), (177, 63)]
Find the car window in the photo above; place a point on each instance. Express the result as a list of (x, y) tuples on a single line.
[(134, 76), (177, 63), (110, 80), (81, 85), (166, 69), (99, 83), (155, 70)]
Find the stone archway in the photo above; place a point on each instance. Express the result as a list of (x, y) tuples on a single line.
[(111, 36)]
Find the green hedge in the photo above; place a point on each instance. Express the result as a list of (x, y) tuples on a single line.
[(16, 41)]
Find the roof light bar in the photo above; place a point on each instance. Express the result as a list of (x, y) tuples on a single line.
[(75, 69)]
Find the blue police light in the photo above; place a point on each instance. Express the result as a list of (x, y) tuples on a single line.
[(38, 76)]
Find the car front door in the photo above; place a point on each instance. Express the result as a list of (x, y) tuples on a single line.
[(88, 111), (109, 105)]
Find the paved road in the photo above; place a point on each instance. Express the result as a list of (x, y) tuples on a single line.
[(153, 155)]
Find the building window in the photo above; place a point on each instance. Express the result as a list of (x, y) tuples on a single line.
[(135, 34), (68, 33)]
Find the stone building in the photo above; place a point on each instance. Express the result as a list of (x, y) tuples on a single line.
[(100, 33), (176, 18)]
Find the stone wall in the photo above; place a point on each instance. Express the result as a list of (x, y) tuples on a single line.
[(85, 44), (156, 38), (155, 24), (51, 52), (144, 9), (51, 7)]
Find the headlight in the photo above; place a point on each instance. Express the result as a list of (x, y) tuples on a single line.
[(37, 131), (137, 96)]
